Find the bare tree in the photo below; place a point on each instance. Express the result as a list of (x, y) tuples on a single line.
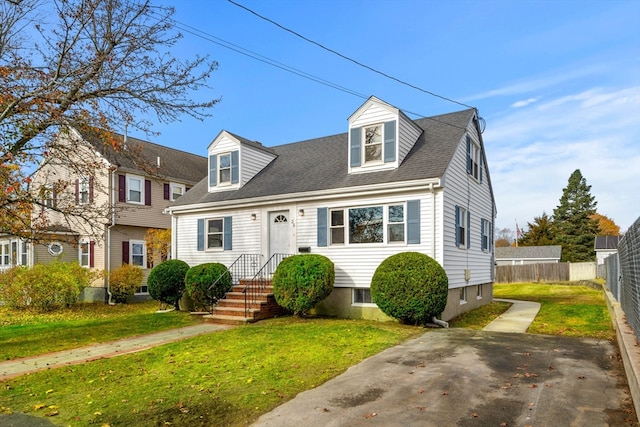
[(88, 65)]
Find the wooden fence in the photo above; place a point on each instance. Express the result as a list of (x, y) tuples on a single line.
[(556, 272)]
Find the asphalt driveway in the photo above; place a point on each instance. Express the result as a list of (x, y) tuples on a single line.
[(459, 377)]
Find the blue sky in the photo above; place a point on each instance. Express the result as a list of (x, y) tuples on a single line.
[(557, 82)]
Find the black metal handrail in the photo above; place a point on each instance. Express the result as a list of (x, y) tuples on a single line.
[(258, 283), (246, 265)]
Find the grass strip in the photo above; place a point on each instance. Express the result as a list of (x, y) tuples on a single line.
[(27, 333)]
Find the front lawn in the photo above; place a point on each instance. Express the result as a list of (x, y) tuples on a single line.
[(226, 378), (26, 333)]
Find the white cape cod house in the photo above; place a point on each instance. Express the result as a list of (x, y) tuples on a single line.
[(389, 184)]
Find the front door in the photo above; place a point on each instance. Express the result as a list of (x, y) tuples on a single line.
[(279, 233)]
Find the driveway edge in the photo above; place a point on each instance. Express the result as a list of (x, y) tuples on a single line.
[(628, 345)]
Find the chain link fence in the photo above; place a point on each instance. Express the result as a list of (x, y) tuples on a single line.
[(623, 275)]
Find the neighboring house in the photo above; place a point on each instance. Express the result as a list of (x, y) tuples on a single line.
[(605, 246), (128, 191), (388, 185), (522, 255)]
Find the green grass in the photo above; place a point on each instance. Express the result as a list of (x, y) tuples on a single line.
[(479, 317), (27, 333), (566, 309), (226, 378)]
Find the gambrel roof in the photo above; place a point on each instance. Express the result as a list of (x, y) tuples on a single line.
[(320, 164), (142, 156)]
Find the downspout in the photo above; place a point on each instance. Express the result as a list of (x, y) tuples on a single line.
[(433, 244), (113, 222)]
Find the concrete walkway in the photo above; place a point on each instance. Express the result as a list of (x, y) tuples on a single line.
[(517, 318), (13, 368)]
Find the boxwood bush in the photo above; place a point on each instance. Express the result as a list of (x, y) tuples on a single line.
[(45, 287), (411, 287), (301, 281), (166, 282), (124, 281), (200, 278)]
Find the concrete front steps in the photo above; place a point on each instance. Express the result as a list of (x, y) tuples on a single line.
[(230, 310)]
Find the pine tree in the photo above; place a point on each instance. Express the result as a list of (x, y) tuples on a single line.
[(574, 228), (540, 232)]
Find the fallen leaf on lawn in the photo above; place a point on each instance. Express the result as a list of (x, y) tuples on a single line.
[(503, 424), (581, 377), (371, 415), (422, 408), (49, 391), (420, 391), (51, 414), (533, 386), (39, 406), (548, 385), (97, 413), (445, 393), (474, 414)]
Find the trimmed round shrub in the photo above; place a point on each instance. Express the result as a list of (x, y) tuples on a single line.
[(199, 280), (124, 281), (411, 287), (45, 287), (166, 282), (301, 281)]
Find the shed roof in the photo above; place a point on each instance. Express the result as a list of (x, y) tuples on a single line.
[(607, 243)]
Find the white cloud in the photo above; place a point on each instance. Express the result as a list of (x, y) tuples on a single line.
[(524, 103), (533, 150)]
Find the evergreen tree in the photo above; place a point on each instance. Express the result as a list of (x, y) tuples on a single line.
[(574, 228), (540, 232)]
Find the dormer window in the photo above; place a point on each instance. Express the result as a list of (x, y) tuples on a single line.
[(224, 169), (373, 144)]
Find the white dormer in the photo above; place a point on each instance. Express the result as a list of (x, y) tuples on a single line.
[(233, 161), (380, 136)]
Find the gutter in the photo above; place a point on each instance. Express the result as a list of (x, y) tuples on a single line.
[(334, 193)]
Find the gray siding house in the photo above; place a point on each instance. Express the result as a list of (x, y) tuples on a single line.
[(389, 184), (528, 255)]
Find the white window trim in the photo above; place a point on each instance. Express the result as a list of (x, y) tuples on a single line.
[(130, 177), (219, 170), (385, 225), (144, 253), (206, 235), (475, 160), (361, 304), (479, 293), (172, 186), (363, 162), (5, 255), (83, 182), (55, 248), (80, 253), (462, 237), (463, 295)]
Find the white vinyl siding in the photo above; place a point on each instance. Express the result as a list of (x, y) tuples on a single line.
[(408, 134), (253, 161), (463, 190)]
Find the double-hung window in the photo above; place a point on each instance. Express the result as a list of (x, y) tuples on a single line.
[(135, 189), (395, 223), (486, 235), (83, 190), (473, 159), (84, 254), (137, 253), (462, 227), (337, 227), (373, 144), (224, 169), (177, 190), (5, 255), (215, 233)]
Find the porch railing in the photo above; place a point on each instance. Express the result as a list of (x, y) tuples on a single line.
[(256, 286), (245, 266)]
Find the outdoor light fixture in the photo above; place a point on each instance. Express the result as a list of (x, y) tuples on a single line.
[(253, 217), (301, 212)]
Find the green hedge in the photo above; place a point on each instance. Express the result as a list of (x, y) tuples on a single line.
[(301, 281), (166, 282), (411, 287), (199, 280), (44, 287)]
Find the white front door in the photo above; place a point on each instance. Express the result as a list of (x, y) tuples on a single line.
[(279, 233)]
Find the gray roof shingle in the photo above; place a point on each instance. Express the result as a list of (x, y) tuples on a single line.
[(140, 155), (529, 252), (321, 163)]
